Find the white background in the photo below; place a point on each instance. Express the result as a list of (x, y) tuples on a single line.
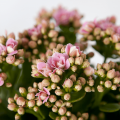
[(17, 15)]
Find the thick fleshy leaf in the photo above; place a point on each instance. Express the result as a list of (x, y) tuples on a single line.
[(52, 115), (76, 96), (111, 107)]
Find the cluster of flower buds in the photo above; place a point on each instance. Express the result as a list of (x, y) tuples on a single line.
[(9, 52), (65, 17), (105, 32), (4, 81), (109, 77), (37, 40)]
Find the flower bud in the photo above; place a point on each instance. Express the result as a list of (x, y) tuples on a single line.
[(59, 92), (85, 64), (20, 52), (89, 71), (74, 68), (71, 60), (81, 81), (46, 82), (77, 87), (31, 103), (106, 41), (10, 100), (111, 74), (73, 77), (91, 82), (12, 107), (21, 111), (116, 80), (87, 89), (52, 98), (97, 31), (78, 60), (39, 103), (54, 108), (80, 118), (108, 84), (63, 50), (68, 83), (3, 75), (17, 116), (22, 91), (55, 78), (59, 71), (8, 85), (52, 45), (117, 46), (68, 104), (99, 66), (101, 72), (67, 96), (68, 113), (73, 117), (48, 104), (10, 59), (16, 97), (114, 87), (40, 85), (53, 86), (35, 108), (30, 96), (32, 44), (59, 103), (106, 66), (20, 101), (85, 116), (63, 118), (100, 88), (62, 110)]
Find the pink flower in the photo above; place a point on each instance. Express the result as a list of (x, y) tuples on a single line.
[(87, 27), (2, 48), (11, 45), (59, 61), (10, 59), (72, 50), (62, 16), (89, 71), (35, 31), (115, 38), (43, 95), (1, 81), (44, 68)]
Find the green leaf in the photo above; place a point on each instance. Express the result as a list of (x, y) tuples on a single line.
[(52, 115), (111, 107), (76, 96)]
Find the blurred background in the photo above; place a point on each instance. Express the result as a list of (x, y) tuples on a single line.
[(17, 15)]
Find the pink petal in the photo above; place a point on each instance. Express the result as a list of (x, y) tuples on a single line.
[(46, 90), (13, 53)]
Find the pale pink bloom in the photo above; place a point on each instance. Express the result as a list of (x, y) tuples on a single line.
[(11, 45), (117, 74), (1, 81), (2, 48), (62, 16), (44, 69), (35, 31), (59, 61), (87, 27), (43, 95), (89, 71), (115, 38), (10, 59), (72, 50)]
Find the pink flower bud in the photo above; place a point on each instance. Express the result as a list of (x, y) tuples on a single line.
[(117, 46), (82, 81), (32, 44), (68, 113), (108, 84), (8, 85), (63, 118), (22, 90), (80, 118), (53, 86), (101, 72), (71, 60), (40, 85), (74, 68), (54, 108), (16, 97), (116, 80), (73, 77), (12, 106), (73, 117), (3, 75), (115, 38), (10, 100), (78, 87), (114, 87), (1, 81), (87, 89), (20, 101), (46, 82), (111, 74), (17, 116), (61, 39), (39, 103), (100, 88), (67, 96), (55, 78), (62, 110), (10, 59), (21, 111), (68, 83), (99, 66), (85, 64), (31, 103), (52, 98), (78, 60), (11, 35), (89, 71), (2, 49), (85, 115), (59, 71), (59, 92), (106, 66), (91, 82), (35, 108), (59, 103), (30, 96), (20, 52)]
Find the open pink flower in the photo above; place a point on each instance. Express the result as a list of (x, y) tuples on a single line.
[(35, 31), (2, 48), (44, 68), (59, 61), (10, 59), (87, 27), (72, 50), (1, 81), (43, 95), (11, 45)]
